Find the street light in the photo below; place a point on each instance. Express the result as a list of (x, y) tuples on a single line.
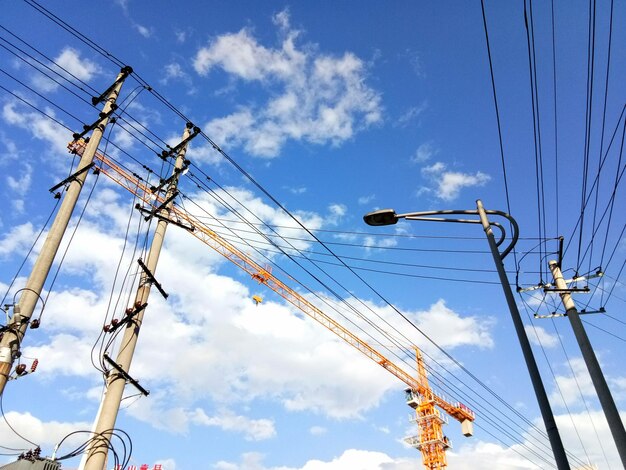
[(389, 217)]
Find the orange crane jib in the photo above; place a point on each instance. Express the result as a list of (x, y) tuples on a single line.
[(432, 451)]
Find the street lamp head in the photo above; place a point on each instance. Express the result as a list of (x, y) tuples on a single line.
[(381, 217)]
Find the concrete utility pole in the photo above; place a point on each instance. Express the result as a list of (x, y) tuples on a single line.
[(116, 380), (604, 394), (14, 333)]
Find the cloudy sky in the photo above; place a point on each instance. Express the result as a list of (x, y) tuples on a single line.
[(313, 115)]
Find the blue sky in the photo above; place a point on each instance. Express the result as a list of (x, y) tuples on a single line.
[(334, 109)]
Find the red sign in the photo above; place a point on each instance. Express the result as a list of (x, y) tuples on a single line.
[(145, 466)]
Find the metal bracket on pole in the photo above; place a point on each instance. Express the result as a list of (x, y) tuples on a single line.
[(72, 177), (190, 228), (546, 286), (174, 150), (126, 71), (152, 278), (130, 313), (572, 289), (91, 127), (167, 181), (582, 312), (126, 377), (156, 210)]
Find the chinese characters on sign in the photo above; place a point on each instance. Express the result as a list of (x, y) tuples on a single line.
[(145, 466)]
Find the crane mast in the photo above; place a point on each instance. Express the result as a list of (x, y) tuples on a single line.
[(431, 441)]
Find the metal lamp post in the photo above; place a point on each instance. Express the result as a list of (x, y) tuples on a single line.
[(389, 217)]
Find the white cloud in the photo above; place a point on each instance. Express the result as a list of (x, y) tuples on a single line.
[(65, 355), (435, 168), (452, 183), (123, 4), (159, 412), (540, 337), (167, 464), (143, 30), (449, 329), (40, 126), (80, 67), (281, 19), (411, 114), (470, 457), (320, 99), (336, 213), (43, 433), (253, 429), (591, 431), (467, 455), (317, 430), (19, 187), (366, 199), (448, 184), (349, 459), (174, 71), (22, 185), (575, 384), (379, 242), (17, 240), (44, 84), (239, 54), (476, 454), (298, 190), (181, 36), (71, 66), (18, 205), (10, 152), (424, 152)]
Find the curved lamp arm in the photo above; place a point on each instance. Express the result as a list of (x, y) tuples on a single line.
[(389, 217)]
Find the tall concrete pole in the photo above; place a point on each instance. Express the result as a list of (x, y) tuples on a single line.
[(116, 382), (22, 312), (540, 392), (599, 382)]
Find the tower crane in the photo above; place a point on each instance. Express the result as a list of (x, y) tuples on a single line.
[(430, 440)]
